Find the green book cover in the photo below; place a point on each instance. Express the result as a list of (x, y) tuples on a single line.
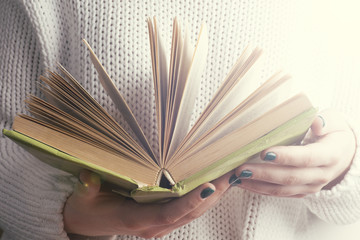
[(78, 119), (289, 133)]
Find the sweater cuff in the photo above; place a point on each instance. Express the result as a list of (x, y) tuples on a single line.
[(340, 205), (33, 196)]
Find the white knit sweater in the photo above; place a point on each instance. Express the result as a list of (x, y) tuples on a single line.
[(37, 34)]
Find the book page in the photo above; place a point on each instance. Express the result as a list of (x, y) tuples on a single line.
[(182, 65), (160, 77), (74, 100), (63, 122), (119, 101), (242, 80), (272, 93), (191, 90), (143, 173), (192, 163)]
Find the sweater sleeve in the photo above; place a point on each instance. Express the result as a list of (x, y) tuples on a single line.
[(32, 194), (340, 205)]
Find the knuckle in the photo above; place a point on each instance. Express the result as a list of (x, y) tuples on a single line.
[(323, 180), (129, 223), (277, 192), (324, 177), (335, 159), (191, 204), (193, 215), (309, 161), (264, 175), (291, 180), (167, 219)]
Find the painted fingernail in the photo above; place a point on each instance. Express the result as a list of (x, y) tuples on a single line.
[(234, 180), (206, 192), (81, 175), (270, 156), (246, 174), (323, 120), (83, 183)]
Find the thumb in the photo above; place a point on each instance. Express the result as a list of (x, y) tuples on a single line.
[(88, 186)]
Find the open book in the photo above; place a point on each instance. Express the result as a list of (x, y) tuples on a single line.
[(71, 131)]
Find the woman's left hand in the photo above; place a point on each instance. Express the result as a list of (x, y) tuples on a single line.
[(295, 171)]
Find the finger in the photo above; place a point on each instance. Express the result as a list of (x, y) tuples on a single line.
[(284, 175), (329, 121), (164, 214), (271, 189), (88, 186), (222, 185), (328, 150)]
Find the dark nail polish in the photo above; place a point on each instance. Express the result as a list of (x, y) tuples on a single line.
[(270, 156), (323, 120), (234, 180), (83, 183), (206, 192), (246, 174), (79, 179)]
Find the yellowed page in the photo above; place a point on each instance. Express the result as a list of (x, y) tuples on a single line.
[(183, 59), (191, 90), (243, 79), (120, 164), (119, 101), (192, 163), (267, 97), (82, 106)]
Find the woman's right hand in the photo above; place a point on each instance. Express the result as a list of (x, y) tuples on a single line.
[(92, 212)]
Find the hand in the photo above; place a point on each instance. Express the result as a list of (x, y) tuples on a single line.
[(92, 212), (295, 171)]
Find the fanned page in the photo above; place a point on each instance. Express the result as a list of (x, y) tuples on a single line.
[(70, 97), (265, 98), (191, 87), (119, 101), (160, 77), (76, 119), (241, 81), (240, 137), (179, 67), (71, 144), (73, 99)]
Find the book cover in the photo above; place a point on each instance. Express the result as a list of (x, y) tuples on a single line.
[(242, 119)]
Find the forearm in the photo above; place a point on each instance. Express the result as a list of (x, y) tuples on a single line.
[(32, 196)]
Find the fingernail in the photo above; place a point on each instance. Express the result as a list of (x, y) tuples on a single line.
[(246, 174), (207, 192), (270, 156), (83, 183), (234, 180), (323, 120)]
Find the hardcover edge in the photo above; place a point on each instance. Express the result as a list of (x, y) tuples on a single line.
[(288, 133), (63, 161)]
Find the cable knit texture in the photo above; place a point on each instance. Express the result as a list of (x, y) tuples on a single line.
[(35, 35)]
